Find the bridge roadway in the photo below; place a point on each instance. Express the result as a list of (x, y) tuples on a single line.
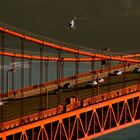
[(15, 108)]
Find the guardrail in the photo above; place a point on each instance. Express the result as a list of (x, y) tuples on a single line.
[(64, 80), (70, 107)]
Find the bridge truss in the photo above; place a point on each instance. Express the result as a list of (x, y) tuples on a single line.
[(88, 119)]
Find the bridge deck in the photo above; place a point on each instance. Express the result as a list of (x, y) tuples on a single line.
[(15, 108)]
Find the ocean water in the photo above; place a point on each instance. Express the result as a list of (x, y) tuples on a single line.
[(130, 133)]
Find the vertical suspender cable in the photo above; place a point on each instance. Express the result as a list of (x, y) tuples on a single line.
[(41, 76), (30, 71), (2, 73), (58, 73), (124, 75), (76, 71), (46, 80), (102, 61), (22, 78), (62, 67), (46, 71), (59, 67), (93, 73), (92, 68), (109, 71), (2, 62), (13, 74)]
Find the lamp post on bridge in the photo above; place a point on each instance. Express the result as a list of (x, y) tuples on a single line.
[(104, 62), (98, 87), (7, 78)]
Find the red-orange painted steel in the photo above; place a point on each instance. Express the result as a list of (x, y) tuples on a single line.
[(85, 119), (100, 115), (55, 58), (131, 56), (47, 58), (65, 48)]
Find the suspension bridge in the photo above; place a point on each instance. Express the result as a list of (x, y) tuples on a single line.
[(31, 110)]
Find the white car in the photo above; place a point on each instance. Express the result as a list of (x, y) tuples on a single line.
[(117, 72), (91, 83), (100, 80), (136, 70), (2, 103)]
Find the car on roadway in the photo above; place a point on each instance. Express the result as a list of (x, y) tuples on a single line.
[(136, 70), (2, 103), (100, 80), (58, 90), (67, 86), (91, 83), (116, 72)]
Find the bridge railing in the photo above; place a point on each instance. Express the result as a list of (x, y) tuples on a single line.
[(75, 105), (113, 94), (65, 79), (31, 118)]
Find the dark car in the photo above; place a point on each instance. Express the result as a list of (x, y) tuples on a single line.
[(136, 70), (67, 85), (100, 80), (58, 90)]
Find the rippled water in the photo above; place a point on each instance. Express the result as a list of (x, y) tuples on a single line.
[(130, 133)]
